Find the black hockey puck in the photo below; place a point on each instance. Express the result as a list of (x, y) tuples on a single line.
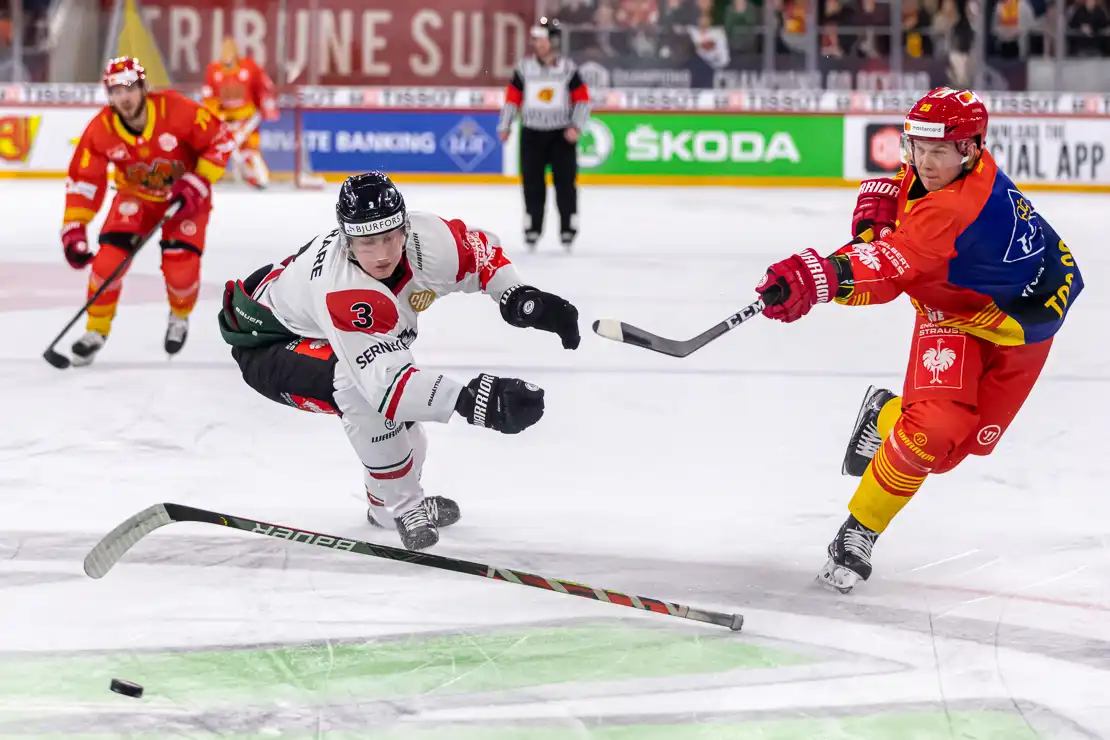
[(126, 688)]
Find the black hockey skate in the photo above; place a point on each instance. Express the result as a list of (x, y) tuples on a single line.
[(86, 348), (177, 331), (567, 239), (849, 557), (436, 511), (417, 530), (865, 440), (530, 238), (441, 510)]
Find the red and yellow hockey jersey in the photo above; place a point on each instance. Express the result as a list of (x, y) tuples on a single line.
[(975, 256), (238, 90), (180, 136)]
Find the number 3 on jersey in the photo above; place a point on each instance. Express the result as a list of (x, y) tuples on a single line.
[(366, 311)]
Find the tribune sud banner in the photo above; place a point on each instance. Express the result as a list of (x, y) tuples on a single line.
[(347, 42)]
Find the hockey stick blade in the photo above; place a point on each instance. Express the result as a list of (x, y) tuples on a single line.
[(56, 358), (121, 539)]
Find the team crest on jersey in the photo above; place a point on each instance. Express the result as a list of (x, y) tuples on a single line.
[(1026, 240), (421, 299), (941, 362), (546, 95), (128, 208), (866, 254), (168, 142)]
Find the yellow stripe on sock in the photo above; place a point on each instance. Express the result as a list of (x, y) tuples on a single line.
[(99, 324), (888, 415), (872, 505), (895, 479)]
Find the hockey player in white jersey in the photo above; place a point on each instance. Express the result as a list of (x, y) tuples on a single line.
[(329, 330)]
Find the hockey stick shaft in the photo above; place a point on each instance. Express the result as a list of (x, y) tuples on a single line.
[(249, 126), (618, 331), (117, 542), (51, 355)]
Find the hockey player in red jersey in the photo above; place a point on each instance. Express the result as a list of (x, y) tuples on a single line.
[(992, 283), (162, 147), (241, 94)]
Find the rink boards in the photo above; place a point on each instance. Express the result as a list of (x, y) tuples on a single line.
[(687, 138)]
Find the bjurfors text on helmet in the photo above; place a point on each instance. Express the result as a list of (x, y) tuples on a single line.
[(389, 223)]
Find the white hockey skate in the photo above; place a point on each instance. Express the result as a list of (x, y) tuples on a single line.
[(86, 348), (177, 331)]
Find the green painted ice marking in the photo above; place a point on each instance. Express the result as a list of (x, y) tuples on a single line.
[(387, 669), (916, 725)]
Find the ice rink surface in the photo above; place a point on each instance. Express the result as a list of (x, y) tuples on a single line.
[(712, 480)]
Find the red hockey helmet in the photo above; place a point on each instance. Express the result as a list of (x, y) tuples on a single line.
[(123, 71), (945, 114)]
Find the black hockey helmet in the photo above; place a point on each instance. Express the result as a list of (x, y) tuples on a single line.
[(548, 28), (370, 204)]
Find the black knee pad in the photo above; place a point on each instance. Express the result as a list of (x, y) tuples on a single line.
[(121, 240)]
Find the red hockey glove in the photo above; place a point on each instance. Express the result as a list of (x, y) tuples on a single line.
[(805, 279), (193, 191), (876, 208), (75, 244)]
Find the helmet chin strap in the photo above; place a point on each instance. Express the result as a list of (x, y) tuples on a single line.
[(965, 148)]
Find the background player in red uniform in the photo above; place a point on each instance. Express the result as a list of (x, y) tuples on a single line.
[(992, 283), (242, 95), (162, 147)]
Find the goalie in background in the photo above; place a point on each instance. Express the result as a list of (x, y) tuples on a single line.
[(242, 96)]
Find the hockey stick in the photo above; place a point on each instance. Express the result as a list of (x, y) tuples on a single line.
[(619, 331), (121, 539), (239, 138), (59, 360)]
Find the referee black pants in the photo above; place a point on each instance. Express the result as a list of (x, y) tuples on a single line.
[(538, 149)]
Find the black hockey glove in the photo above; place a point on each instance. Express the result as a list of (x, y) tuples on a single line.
[(506, 405), (527, 307)]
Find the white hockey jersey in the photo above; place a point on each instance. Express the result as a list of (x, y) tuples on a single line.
[(321, 294)]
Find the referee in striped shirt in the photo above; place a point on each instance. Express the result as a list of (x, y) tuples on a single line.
[(554, 105)]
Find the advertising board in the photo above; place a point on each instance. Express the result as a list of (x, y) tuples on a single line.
[(721, 146), (1067, 153)]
